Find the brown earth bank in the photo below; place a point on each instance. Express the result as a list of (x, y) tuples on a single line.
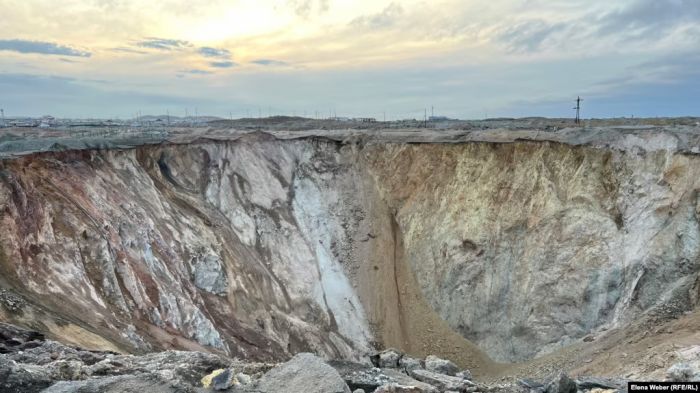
[(539, 255)]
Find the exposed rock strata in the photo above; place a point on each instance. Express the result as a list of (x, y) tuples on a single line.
[(262, 248)]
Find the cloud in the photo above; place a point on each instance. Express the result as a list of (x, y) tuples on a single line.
[(223, 64), (644, 18), (529, 36), (197, 72), (643, 22), (163, 44), (386, 18), (129, 50), (214, 52), (269, 62), (41, 47), (304, 8)]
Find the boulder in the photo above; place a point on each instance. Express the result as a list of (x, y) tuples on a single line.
[(304, 373), (360, 376), (388, 358), (561, 384), (442, 366), (408, 363), (443, 381), (220, 379), (244, 379)]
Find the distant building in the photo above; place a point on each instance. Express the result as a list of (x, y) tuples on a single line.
[(47, 121), (367, 120), (438, 118)]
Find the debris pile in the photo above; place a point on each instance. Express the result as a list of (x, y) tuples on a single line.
[(29, 363)]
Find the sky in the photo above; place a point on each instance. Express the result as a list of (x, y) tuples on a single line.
[(377, 58)]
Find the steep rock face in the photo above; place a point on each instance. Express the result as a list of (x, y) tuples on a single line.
[(525, 247), (227, 246), (262, 248)]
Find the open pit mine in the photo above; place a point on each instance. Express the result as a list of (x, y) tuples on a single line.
[(330, 261)]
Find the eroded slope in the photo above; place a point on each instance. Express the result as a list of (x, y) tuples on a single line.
[(261, 248)]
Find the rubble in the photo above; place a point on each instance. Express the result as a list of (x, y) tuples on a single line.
[(51, 367), (442, 366)]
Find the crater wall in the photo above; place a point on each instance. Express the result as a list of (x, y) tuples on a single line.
[(261, 248)]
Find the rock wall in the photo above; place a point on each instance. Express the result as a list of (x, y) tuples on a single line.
[(261, 248), (525, 247), (228, 246)]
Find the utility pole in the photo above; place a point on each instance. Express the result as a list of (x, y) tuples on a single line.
[(425, 117), (167, 115), (432, 111), (2, 118), (578, 109)]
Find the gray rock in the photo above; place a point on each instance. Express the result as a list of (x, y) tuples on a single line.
[(408, 363), (405, 380), (19, 378), (682, 372), (360, 376), (588, 383), (143, 383), (304, 373), (223, 380), (244, 379), (530, 384), (358, 391), (465, 374), (388, 358), (67, 370), (50, 351), (397, 388), (187, 367), (442, 366), (442, 381), (14, 339), (209, 274), (561, 384)]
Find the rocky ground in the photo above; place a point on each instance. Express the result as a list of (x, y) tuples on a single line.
[(29, 363)]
